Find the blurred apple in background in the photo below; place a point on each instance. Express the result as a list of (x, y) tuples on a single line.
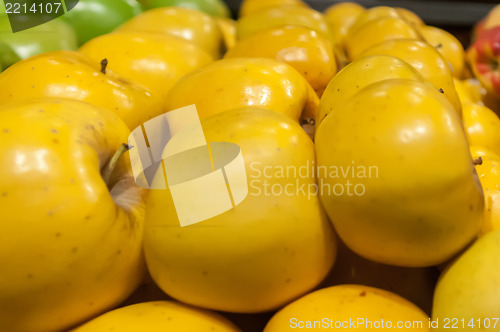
[(410, 17), (93, 18), (492, 19), (376, 32), (216, 8), (307, 51), (192, 25), (372, 14), (7, 56), (341, 17), (428, 61), (252, 6), (51, 36), (277, 16), (227, 27), (484, 57), (448, 45)]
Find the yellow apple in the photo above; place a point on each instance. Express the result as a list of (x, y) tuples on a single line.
[(342, 16), (410, 196), (414, 284), (482, 127), (158, 316), (189, 24), (154, 61), (252, 6), (467, 292), (426, 60), (277, 16), (233, 83), (488, 171), (307, 51), (449, 46), (72, 217), (66, 74), (349, 307), (376, 32), (359, 74), (274, 246)]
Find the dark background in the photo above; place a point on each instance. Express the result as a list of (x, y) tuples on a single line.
[(456, 16)]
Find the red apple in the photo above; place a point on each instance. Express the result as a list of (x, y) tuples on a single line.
[(484, 58)]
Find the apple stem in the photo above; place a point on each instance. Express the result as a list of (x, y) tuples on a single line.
[(477, 161), (111, 165), (104, 64), (308, 121)]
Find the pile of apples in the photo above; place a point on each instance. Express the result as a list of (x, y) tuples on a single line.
[(83, 248)]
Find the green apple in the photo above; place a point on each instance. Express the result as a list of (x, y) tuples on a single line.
[(7, 56), (51, 36), (93, 18)]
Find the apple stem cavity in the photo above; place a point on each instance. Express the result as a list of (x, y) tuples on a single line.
[(307, 121), (477, 161), (104, 64), (494, 65), (111, 165)]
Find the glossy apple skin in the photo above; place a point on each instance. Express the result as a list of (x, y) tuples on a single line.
[(239, 82), (71, 243), (346, 303), (482, 126), (65, 74), (376, 32), (401, 127), (192, 25), (150, 316), (276, 16), (489, 175), (449, 46), (289, 243), (359, 74), (484, 58), (311, 54), (426, 60), (155, 61), (469, 287)]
